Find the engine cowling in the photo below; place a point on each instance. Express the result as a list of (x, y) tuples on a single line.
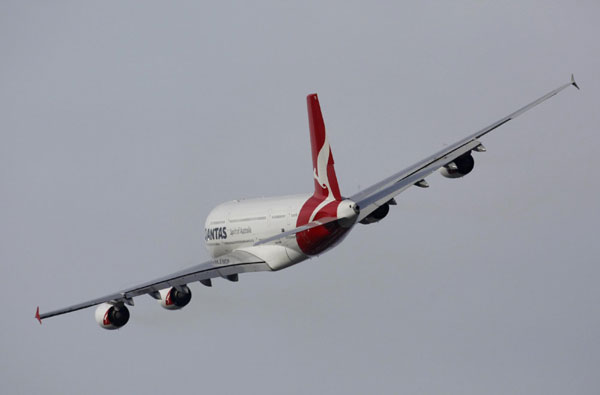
[(110, 316), (376, 215), (174, 299), (460, 167)]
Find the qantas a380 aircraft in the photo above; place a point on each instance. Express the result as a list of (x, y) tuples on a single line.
[(270, 234)]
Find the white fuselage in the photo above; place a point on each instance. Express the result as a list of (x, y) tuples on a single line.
[(239, 224)]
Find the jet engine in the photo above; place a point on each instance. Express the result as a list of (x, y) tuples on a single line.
[(111, 316), (175, 298), (460, 167), (376, 215)]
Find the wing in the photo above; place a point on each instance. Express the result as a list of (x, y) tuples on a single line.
[(371, 198), (230, 264)]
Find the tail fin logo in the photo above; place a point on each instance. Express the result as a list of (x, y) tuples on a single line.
[(320, 175), (320, 172), (322, 158)]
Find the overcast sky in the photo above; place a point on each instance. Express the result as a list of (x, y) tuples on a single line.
[(123, 123)]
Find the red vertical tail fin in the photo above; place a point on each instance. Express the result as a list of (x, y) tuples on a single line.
[(326, 185)]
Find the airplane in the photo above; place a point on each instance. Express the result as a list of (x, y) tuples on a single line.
[(273, 233)]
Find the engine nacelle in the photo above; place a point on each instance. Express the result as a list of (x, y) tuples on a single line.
[(460, 167), (111, 316), (173, 299), (376, 215)]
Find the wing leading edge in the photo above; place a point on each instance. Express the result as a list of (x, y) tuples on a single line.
[(371, 198), (233, 263)]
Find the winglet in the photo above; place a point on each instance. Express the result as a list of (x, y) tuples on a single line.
[(37, 315), (573, 82)]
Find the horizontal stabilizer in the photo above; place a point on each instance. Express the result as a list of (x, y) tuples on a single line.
[(299, 229)]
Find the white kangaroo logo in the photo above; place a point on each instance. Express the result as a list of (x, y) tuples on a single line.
[(322, 160), (320, 174)]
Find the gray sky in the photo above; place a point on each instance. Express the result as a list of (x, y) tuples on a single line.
[(122, 125)]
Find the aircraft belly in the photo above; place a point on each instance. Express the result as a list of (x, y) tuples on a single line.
[(276, 256)]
